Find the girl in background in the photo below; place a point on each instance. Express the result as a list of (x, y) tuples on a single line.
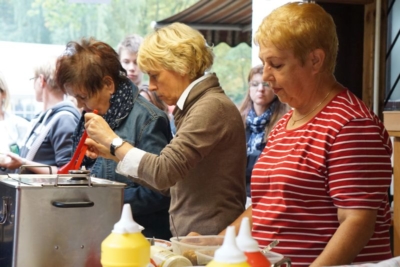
[(260, 111), (49, 139)]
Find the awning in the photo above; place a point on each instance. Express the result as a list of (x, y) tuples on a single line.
[(228, 21), (219, 21)]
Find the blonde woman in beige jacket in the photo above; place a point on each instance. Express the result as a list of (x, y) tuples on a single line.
[(204, 164)]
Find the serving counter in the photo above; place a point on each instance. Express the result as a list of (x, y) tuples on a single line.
[(396, 192)]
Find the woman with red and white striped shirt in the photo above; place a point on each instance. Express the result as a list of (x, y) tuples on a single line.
[(320, 185)]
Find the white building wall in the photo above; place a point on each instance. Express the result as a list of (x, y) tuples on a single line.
[(17, 61), (261, 9)]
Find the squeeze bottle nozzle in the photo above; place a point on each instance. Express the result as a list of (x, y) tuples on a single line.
[(244, 240), (126, 224), (229, 255), (249, 246)]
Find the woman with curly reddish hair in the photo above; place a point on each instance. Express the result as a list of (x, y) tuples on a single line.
[(91, 71)]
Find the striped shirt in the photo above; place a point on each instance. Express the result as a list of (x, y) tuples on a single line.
[(339, 159)]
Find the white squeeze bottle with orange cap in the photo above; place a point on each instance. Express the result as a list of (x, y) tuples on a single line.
[(229, 255), (125, 246), (249, 246)]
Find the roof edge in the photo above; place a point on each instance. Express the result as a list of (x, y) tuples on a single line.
[(224, 27)]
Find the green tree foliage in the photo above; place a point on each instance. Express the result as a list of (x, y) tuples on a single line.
[(232, 66), (59, 21)]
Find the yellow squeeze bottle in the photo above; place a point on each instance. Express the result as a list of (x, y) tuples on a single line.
[(125, 246), (229, 255)]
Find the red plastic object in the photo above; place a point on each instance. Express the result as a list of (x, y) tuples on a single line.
[(76, 160), (257, 259)]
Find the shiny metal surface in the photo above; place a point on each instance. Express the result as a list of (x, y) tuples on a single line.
[(285, 261), (270, 246), (56, 224)]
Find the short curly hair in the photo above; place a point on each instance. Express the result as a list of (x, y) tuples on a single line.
[(301, 27), (176, 47), (94, 59)]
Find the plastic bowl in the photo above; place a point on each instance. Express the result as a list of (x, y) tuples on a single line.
[(204, 256), (161, 243), (188, 245), (273, 257)]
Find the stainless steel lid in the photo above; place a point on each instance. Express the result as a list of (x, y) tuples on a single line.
[(75, 178)]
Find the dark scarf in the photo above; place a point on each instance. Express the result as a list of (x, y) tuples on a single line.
[(256, 125), (121, 104)]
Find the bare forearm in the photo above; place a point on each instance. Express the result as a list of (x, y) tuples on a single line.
[(236, 223), (40, 170), (15, 162), (122, 151), (350, 238)]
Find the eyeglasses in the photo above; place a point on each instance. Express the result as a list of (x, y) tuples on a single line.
[(256, 84)]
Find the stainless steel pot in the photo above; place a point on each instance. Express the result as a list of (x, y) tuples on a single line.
[(56, 220)]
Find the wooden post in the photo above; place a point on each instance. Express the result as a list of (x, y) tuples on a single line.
[(396, 193)]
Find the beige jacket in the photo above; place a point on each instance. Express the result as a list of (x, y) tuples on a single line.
[(204, 165)]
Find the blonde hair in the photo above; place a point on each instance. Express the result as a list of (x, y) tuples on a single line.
[(302, 28), (176, 47), (4, 90), (47, 69)]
